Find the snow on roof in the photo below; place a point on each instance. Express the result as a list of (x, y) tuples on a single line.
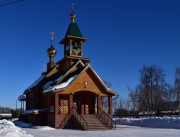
[(97, 76), (21, 98), (61, 77), (48, 84), (33, 111), (60, 86), (69, 70), (6, 114), (34, 83)]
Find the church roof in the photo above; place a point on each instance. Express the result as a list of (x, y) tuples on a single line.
[(68, 78), (35, 83), (62, 80), (58, 77), (73, 30)]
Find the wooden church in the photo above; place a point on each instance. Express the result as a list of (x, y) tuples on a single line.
[(69, 94)]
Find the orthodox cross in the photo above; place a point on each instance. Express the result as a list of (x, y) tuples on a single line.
[(52, 37), (72, 5)]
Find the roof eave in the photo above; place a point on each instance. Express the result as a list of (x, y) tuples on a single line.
[(58, 90), (72, 37), (110, 91), (113, 92)]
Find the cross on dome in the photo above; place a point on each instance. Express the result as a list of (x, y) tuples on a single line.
[(72, 5), (72, 15), (52, 37)]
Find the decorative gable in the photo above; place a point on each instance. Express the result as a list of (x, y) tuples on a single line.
[(84, 79)]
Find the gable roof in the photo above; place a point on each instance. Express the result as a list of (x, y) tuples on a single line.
[(63, 78), (59, 86), (61, 81), (101, 81), (66, 81), (70, 69), (51, 71)]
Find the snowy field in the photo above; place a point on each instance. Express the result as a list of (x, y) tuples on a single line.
[(126, 127)]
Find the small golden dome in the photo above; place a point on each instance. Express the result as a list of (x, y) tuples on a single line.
[(73, 16), (51, 51)]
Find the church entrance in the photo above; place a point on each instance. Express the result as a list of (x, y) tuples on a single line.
[(85, 102)]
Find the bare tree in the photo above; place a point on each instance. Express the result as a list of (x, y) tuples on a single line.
[(122, 108), (134, 99), (177, 86), (169, 98), (149, 94)]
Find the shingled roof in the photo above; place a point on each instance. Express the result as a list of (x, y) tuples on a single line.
[(73, 30)]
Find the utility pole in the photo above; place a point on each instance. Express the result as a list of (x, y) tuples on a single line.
[(12, 2), (16, 104)]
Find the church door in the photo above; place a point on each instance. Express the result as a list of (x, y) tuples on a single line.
[(85, 102)]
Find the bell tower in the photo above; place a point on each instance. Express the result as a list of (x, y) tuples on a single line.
[(73, 40)]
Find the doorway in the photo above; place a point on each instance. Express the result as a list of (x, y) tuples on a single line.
[(85, 102)]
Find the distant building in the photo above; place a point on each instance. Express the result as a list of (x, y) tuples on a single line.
[(69, 94), (5, 116), (5, 113)]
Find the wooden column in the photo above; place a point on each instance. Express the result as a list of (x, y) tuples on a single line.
[(70, 102), (56, 109), (21, 107), (99, 103), (48, 114), (110, 105), (56, 104), (27, 103)]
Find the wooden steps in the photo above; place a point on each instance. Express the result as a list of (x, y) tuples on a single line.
[(93, 123)]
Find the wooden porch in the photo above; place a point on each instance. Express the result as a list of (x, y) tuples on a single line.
[(82, 110)]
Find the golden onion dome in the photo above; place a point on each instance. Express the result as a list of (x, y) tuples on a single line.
[(51, 51), (72, 16)]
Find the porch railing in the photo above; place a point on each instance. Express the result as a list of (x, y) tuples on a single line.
[(73, 112), (64, 121), (105, 119), (83, 122)]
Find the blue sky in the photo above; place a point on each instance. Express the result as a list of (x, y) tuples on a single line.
[(123, 35)]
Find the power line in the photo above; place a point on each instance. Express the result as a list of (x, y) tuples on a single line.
[(11, 2)]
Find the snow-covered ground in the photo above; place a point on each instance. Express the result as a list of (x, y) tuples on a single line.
[(8, 129), (126, 127), (154, 122)]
